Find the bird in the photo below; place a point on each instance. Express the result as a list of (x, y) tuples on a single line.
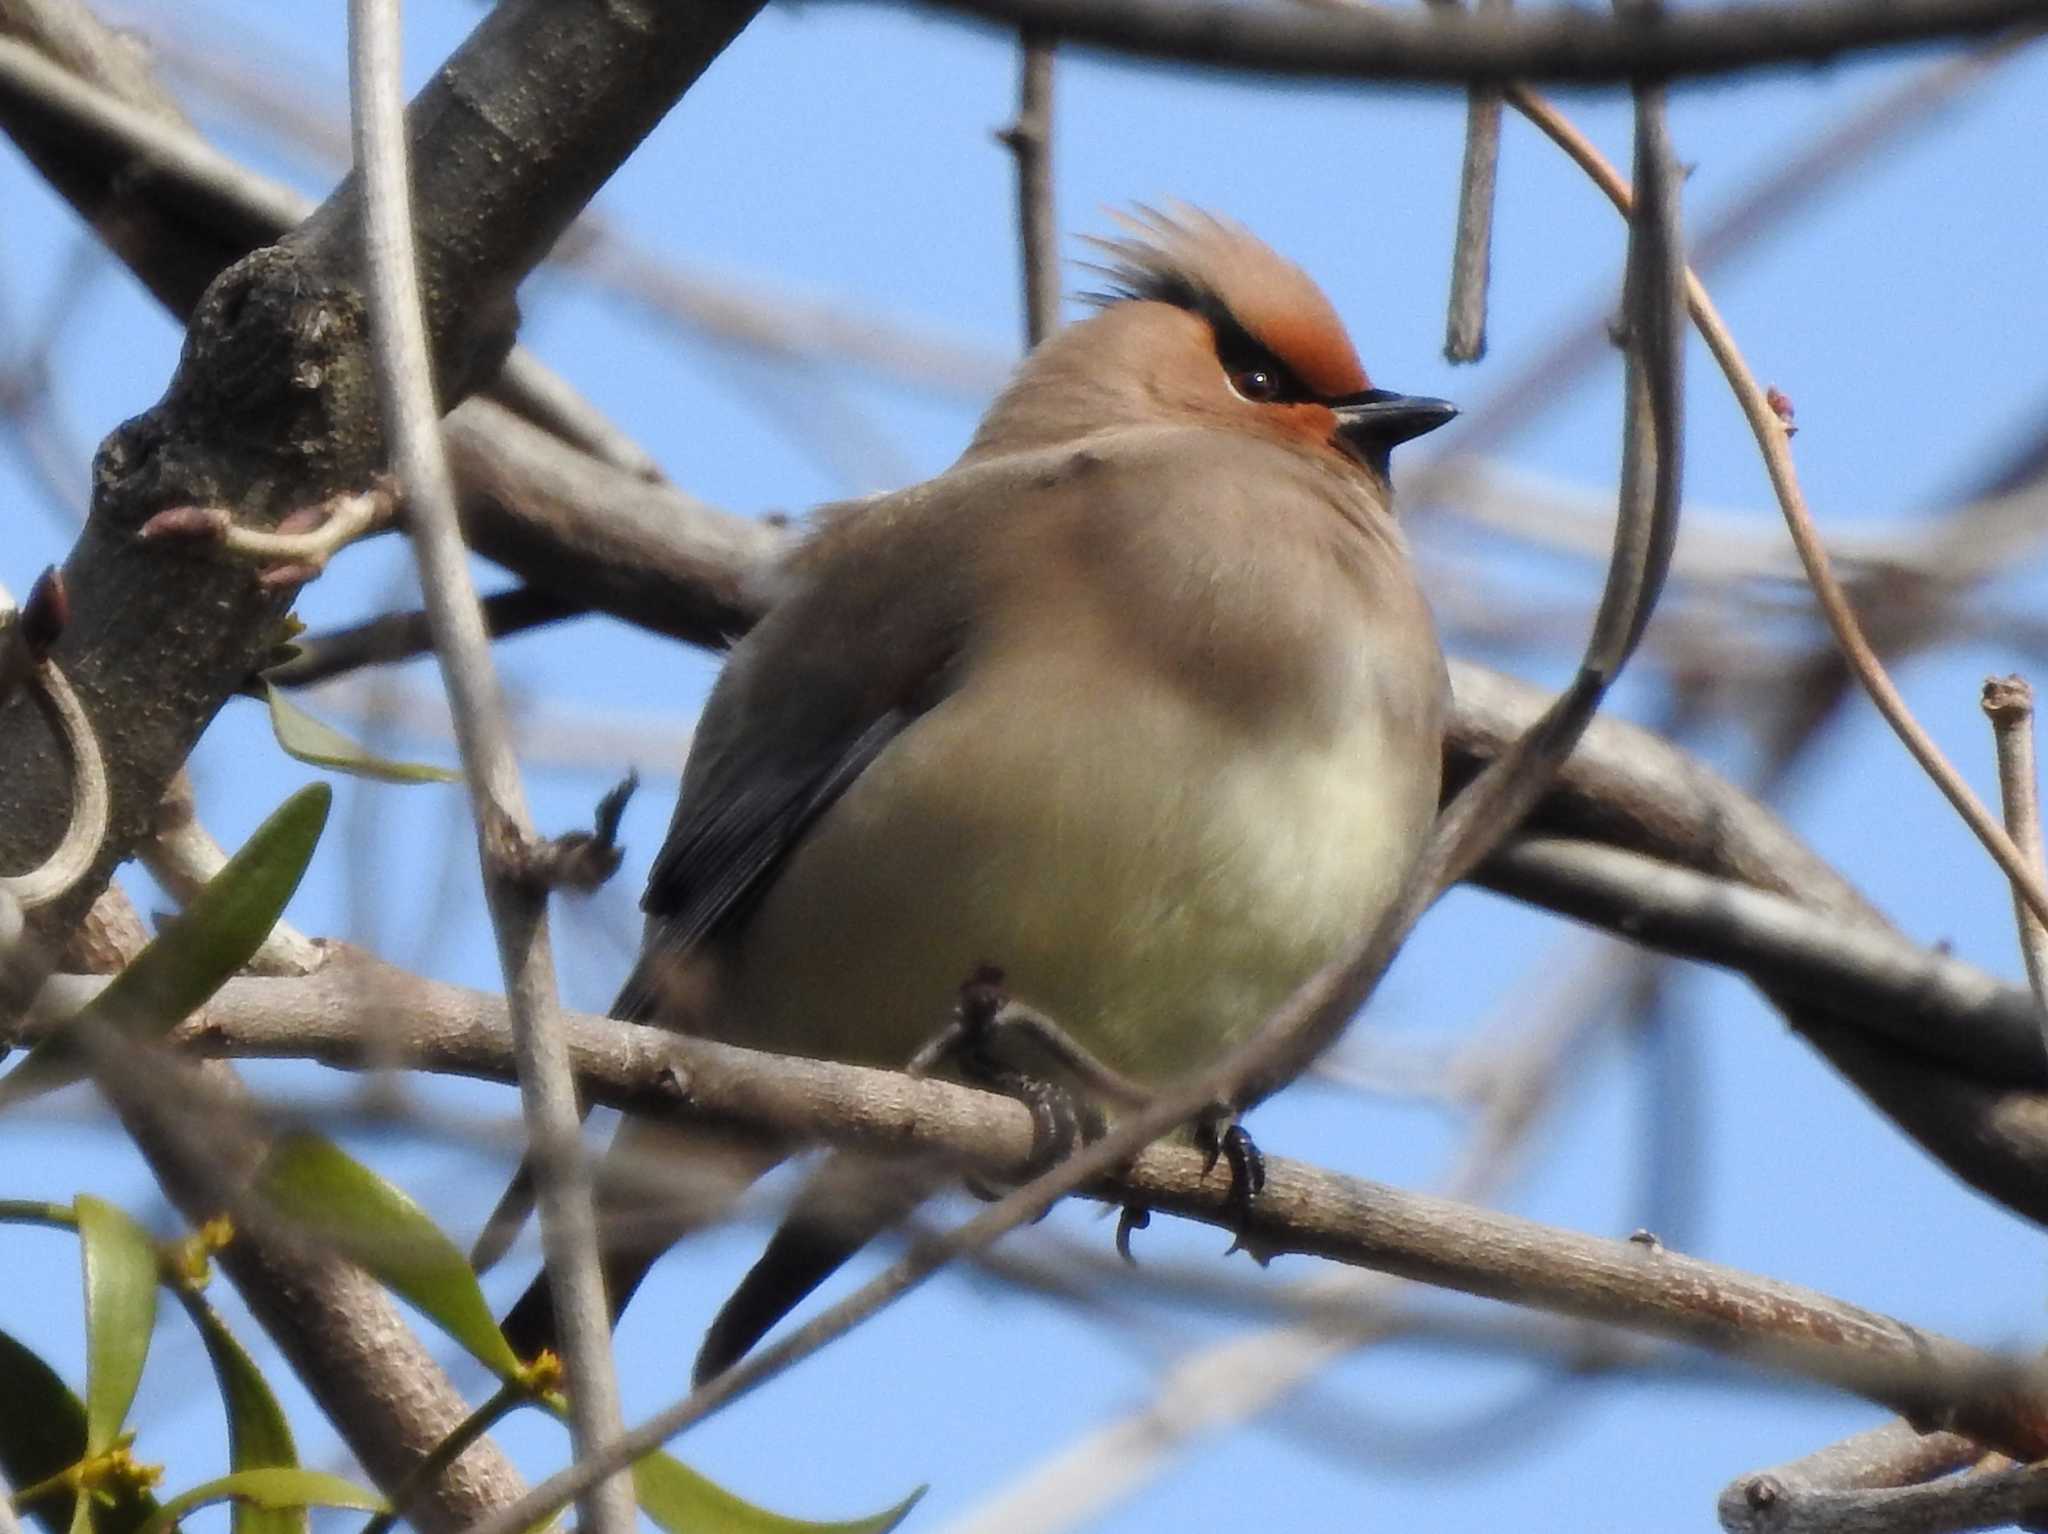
[(1139, 701)]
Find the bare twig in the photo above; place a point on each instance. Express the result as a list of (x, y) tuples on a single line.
[(401, 636), (518, 907), (1893, 1479), (1769, 430), (1335, 1313), (1029, 139), (2009, 702), (300, 547), (1792, 186), (1472, 251), (547, 399), (1653, 321), (85, 824), (182, 856)]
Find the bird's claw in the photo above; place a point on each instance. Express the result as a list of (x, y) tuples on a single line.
[(1131, 1217), (1219, 1136), (974, 1045)]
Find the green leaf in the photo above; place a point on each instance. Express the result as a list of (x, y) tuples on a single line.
[(275, 1490), (337, 1199), (684, 1502), (42, 1433), (322, 745), (120, 1314), (198, 951), (259, 1436)]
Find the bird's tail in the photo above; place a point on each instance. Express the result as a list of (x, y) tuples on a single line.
[(515, 1205), (657, 1184), (846, 1203)]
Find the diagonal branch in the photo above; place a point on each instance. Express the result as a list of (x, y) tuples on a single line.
[(518, 904), (272, 404)]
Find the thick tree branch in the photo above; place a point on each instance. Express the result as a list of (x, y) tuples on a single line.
[(272, 406), (1920, 999), (1565, 44), (199, 1130), (342, 1333), (358, 1013)]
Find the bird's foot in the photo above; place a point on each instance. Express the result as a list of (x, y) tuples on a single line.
[(989, 1042), (1219, 1136), (301, 544), (993, 1031)]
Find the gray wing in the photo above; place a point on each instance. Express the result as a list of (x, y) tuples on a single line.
[(727, 839), (858, 647)]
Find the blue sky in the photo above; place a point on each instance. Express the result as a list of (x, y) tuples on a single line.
[(844, 153)]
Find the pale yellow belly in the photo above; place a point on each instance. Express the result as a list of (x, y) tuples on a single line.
[(1147, 875)]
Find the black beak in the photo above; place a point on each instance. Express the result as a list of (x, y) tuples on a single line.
[(1372, 424)]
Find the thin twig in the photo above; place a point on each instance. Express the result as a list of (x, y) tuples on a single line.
[(1792, 186), (1769, 430), (1029, 139), (1890, 1480), (2009, 702), (1817, 1493), (297, 550), (544, 397), (85, 827), (1337, 1314), (400, 636), (1472, 252), (518, 909), (182, 856)]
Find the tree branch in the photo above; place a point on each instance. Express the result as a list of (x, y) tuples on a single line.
[(1029, 140), (358, 1013), (518, 903), (272, 406), (1890, 1480), (1462, 48), (341, 1332)]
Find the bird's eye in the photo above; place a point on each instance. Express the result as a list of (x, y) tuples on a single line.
[(1258, 385)]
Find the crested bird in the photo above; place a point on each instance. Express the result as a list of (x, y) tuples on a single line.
[(1139, 700)]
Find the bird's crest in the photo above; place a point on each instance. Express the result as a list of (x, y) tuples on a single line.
[(1223, 272)]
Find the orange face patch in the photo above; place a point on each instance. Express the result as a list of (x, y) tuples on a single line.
[(1313, 346)]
